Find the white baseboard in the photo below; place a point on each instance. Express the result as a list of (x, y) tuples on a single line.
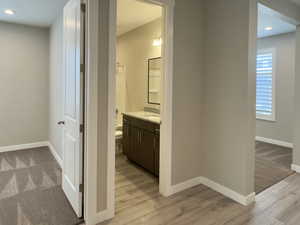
[(244, 200), (185, 185), (99, 217), (55, 155), (23, 146), (275, 142), (33, 145), (295, 168)]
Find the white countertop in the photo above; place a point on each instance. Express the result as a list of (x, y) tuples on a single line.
[(148, 116)]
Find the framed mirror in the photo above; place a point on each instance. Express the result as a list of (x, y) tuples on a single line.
[(154, 79)]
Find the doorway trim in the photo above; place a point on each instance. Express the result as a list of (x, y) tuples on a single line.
[(165, 185), (91, 214)]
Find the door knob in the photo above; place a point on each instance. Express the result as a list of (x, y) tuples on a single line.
[(61, 123)]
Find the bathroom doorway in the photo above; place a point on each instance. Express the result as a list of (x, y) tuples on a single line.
[(140, 75), (275, 75), (139, 71)]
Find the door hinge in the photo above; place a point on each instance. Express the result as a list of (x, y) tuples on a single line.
[(81, 128), (83, 7), (81, 188), (82, 68)]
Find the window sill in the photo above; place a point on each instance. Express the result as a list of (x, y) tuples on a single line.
[(266, 118)]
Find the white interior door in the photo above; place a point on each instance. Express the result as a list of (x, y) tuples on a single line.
[(73, 107)]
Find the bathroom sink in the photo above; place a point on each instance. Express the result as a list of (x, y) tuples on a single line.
[(149, 116), (153, 117)]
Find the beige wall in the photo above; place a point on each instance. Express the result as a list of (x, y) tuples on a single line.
[(24, 59), (187, 157), (56, 85), (229, 87), (282, 129), (133, 51)]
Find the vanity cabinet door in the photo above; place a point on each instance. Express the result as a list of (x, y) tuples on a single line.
[(146, 150), (134, 153), (126, 139), (156, 154), (141, 143)]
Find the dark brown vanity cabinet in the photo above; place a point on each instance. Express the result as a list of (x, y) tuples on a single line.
[(141, 143), (156, 153), (126, 138)]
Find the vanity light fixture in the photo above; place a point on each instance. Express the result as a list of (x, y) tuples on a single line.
[(268, 28), (157, 42), (9, 12)]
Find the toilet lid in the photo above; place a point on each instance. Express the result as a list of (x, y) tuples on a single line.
[(119, 134)]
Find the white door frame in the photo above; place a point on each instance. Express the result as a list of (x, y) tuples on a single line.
[(91, 215), (167, 101), (166, 131)]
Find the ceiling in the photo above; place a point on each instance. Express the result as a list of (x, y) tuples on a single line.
[(270, 18), (40, 13), (131, 14), (135, 13)]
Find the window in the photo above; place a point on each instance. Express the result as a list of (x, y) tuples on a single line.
[(265, 85)]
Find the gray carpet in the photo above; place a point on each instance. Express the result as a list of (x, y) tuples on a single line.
[(30, 190)]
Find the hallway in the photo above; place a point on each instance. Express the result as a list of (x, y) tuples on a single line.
[(139, 202), (200, 205)]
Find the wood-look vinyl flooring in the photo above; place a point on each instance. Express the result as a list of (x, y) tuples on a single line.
[(133, 184), (139, 203), (272, 164)]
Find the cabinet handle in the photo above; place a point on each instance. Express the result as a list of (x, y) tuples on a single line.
[(140, 137), (154, 143)]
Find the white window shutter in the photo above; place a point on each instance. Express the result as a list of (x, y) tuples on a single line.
[(265, 85)]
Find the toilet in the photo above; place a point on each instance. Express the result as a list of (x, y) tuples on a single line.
[(119, 137)]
